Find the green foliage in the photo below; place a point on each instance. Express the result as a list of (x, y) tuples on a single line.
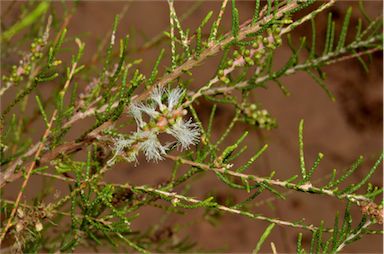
[(127, 111), (26, 21), (266, 233), (235, 20), (344, 29)]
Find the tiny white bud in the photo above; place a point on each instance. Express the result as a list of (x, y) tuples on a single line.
[(19, 226), (113, 38), (39, 226), (20, 213)]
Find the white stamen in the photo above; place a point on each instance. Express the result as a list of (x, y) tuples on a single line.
[(174, 97), (187, 133)]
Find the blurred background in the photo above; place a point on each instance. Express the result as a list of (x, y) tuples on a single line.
[(341, 130)]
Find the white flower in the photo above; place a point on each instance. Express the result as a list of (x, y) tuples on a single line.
[(152, 147), (150, 109), (137, 115), (174, 97), (157, 95), (120, 144), (162, 118), (186, 133)]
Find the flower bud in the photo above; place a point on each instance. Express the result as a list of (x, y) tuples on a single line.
[(19, 226), (38, 226), (20, 213), (225, 79), (249, 61)]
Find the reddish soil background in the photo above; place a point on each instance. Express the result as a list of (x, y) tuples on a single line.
[(341, 130)]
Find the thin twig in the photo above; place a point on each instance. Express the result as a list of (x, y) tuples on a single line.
[(37, 155), (299, 187)]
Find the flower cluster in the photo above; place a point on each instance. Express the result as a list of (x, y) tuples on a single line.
[(27, 224), (258, 117), (257, 53), (25, 64), (154, 117)]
